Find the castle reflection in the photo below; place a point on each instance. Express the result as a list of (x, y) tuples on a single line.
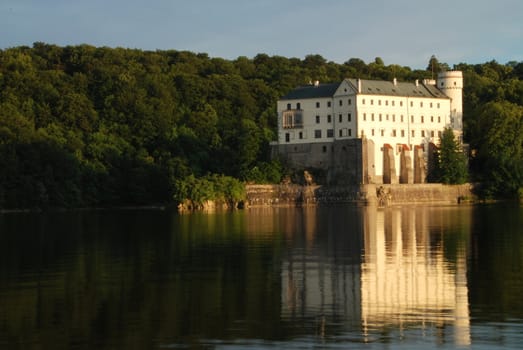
[(394, 269)]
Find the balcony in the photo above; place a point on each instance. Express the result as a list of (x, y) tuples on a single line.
[(292, 119)]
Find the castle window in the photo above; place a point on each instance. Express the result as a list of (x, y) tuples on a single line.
[(439, 134), (402, 118), (349, 117), (350, 132), (288, 106), (371, 102), (411, 104), (341, 103), (372, 132), (328, 103), (340, 133), (387, 117), (394, 133), (363, 101), (431, 105), (372, 117), (350, 101), (364, 116), (432, 119), (412, 119), (298, 105), (380, 117), (439, 119), (401, 103), (317, 105), (379, 102), (386, 102), (413, 133), (324, 149), (340, 118), (393, 103), (330, 132), (300, 135), (329, 119), (394, 117), (422, 119), (317, 119), (432, 133), (437, 105), (402, 133), (422, 133), (421, 104), (287, 137), (382, 131), (317, 134)]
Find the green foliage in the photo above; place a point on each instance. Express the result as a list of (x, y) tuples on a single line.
[(210, 187), (265, 173), (126, 125), (499, 160), (451, 162)]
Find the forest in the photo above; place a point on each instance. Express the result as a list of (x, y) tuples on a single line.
[(85, 126)]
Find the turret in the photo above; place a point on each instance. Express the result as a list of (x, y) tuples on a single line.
[(451, 84)]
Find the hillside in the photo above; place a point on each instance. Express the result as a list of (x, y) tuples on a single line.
[(82, 126)]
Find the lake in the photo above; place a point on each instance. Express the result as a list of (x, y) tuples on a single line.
[(326, 277)]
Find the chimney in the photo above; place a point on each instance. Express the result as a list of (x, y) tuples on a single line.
[(417, 83), (395, 82), (359, 85)]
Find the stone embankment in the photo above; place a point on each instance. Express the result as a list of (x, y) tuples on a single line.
[(381, 195)]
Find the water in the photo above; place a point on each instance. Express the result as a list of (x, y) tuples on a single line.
[(293, 278)]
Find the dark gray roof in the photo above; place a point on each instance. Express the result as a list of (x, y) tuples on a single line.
[(381, 87), (312, 91), (368, 87)]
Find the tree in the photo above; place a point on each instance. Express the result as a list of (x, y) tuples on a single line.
[(436, 67), (451, 162), (500, 148)]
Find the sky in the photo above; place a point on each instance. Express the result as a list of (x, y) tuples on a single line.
[(403, 32)]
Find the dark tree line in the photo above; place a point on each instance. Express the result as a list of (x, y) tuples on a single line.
[(88, 126)]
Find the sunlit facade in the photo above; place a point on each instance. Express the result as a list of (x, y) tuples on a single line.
[(392, 114)]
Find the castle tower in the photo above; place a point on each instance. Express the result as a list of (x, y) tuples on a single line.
[(451, 84)]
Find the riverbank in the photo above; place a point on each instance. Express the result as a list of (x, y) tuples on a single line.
[(381, 195), (293, 195)]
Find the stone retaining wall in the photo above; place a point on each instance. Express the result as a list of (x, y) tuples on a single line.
[(382, 195)]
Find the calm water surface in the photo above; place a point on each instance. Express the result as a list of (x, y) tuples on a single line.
[(293, 278)]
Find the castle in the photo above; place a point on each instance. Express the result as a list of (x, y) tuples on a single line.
[(366, 131)]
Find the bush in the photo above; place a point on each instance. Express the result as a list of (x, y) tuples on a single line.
[(265, 173), (211, 187)]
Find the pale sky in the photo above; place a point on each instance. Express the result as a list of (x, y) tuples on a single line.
[(404, 32)]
